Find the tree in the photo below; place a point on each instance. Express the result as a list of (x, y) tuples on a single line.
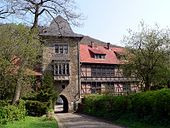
[(40, 8), (18, 52), (3, 13), (5, 10), (148, 55), (47, 91)]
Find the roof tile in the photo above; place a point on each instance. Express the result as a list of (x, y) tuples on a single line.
[(110, 58)]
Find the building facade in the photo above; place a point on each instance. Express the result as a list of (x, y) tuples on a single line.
[(101, 70), (61, 57), (82, 65)]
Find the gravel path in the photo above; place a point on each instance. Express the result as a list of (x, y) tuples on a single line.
[(70, 120)]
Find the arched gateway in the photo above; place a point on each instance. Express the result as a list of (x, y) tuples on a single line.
[(62, 102), (61, 56)]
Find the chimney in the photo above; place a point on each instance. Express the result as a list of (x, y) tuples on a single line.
[(92, 44), (108, 46)]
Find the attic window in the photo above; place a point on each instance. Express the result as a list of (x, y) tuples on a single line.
[(99, 56)]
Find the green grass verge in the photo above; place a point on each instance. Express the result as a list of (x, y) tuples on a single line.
[(32, 122)]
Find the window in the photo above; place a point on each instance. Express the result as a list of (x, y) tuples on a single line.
[(95, 72), (96, 88), (61, 48), (61, 69), (99, 56), (102, 72), (126, 87)]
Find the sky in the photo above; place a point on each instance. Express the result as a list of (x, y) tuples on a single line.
[(109, 20)]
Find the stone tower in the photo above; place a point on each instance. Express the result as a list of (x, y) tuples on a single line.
[(61, 57)]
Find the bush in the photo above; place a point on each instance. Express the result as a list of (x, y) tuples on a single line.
[(37, 103), (142, 103), (36, 108), (151, 106), (161, 104), (3, 103), (12, 112)]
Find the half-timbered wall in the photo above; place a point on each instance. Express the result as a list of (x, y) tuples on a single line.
[(98, 78)]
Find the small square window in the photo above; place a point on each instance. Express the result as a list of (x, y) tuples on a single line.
[(61, 48), (99, 56)]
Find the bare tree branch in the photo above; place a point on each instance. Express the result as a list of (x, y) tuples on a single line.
[(36, 8)]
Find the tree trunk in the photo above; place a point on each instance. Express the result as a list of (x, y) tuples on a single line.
[(36, 14), (147, 86), (17, 92)]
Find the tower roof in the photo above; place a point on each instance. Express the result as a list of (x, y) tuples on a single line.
[(60, 27)]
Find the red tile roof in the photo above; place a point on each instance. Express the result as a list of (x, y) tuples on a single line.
[(110, 58), (97, 51)]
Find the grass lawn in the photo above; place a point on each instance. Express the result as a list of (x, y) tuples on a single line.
[(32, 122)]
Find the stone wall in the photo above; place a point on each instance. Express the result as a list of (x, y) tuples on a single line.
[(69, 87)]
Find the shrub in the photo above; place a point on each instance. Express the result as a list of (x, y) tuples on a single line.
[(148, 106), (142, 103), (37, 103), (106, 105), (161, 104), (3, 103), (12, 112), (36, 108)]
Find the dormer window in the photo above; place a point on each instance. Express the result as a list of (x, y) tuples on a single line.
[(97, 53), (99, 56)]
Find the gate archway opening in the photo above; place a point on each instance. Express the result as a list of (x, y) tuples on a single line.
[(61, 104)]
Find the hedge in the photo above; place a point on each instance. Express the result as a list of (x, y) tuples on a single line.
[(149, 106)]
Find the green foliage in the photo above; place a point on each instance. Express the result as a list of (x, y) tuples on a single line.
[(36, 108), (10, 113), (18, 52), (150, 107), (3, 103), (106, 105), (38, 103), (148, 55), (48, 93), (161, 105), (142, 103)]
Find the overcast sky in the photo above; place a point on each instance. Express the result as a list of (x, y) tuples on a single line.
[(108, 20)]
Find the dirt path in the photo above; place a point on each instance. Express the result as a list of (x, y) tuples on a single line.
[(70, 120)]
